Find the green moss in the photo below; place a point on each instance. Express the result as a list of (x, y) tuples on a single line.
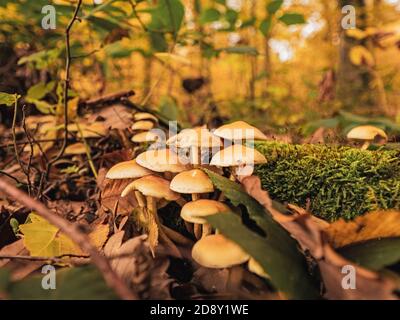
[(338, 182)]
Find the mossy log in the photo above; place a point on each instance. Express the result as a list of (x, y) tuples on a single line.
[(337, 182)]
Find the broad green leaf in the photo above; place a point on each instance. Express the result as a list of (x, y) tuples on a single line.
[(210, 15), (43, 106), (8, 99), (265, 26), (292, 18), (374, 254), (248, 23), (274, 6), (84, 283), (170, 13), (277, 252), (231, 16), (42, 59)]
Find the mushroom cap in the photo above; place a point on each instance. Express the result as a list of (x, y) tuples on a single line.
[(76, 148), (216, 251), (192, 181), (92, 130), (256, 268), (127, 170), (143, 125), (239, 130), (161, 160), (146, 136), (199, 137), (366, 133), (139, 116), (194, 210), (237, 155), (152, 186)]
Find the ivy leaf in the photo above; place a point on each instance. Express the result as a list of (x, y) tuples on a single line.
[(209, 15), (292, 18), (277, 252), (374, 254), (274, 6), (8, 99)]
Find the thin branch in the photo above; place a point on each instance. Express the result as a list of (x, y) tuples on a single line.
[(66, 88), (75, 234), (28, 136)]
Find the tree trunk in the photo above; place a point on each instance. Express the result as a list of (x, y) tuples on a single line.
[(354, 82)]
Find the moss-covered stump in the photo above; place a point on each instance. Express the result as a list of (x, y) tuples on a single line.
[(338, 182)]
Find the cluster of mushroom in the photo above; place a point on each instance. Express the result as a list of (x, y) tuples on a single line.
[(143, 124), (175, 173)]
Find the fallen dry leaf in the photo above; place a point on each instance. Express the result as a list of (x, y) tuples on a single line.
[(133, 262), (311, 237), (374, 225)]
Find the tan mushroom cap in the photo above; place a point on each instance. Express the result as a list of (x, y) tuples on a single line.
[(75, 149), (256, 268), (194, 210), (152, 186), (216, 251), (237, 155), (144, 116), (93, 130), (146, 136), (239, 130), (198, 137), (192, 181), (161, 160), (127, 170), (143, 125), (368, 133)]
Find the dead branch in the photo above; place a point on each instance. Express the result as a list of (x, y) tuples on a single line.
[(76, 235)]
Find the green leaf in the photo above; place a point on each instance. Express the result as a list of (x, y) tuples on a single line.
[(292, 18), (40, 90), (277, 252), (248, 23), (42, 59), (209, 15), (265, 26), (171, 14), (8, 99), (374, 254), (84, 283), (274, 6), (241, 50), (231, 16), (43, 106), (168, 108)]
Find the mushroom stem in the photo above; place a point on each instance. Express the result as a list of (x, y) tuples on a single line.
[(197, 231), (366, 145), (207, 229), (140, 199), (195, 196), (176, 236), (195, 159)]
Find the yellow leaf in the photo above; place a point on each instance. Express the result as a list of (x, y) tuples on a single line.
[(356, 34), (360, 55), (73, 108), (43, 239), (169, 58), (374, 225)]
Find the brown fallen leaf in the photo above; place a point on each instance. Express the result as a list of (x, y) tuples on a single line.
[(374, 225), (311, 237), (133, 262)]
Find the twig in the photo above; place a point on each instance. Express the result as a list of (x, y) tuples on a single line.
[(11, 177), (14, 124), (109, 99), (28, 136), (76, 235), (87, 150), (66, 88)]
